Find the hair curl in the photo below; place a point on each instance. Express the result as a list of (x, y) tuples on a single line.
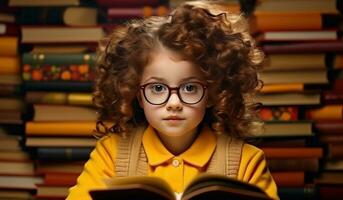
[(200, 32)]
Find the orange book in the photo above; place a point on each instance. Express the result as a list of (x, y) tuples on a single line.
[(289, 179), (292, 152), (8, 46), (327, 112), (60, 128), (9, 65), (284, 21), (282, 88), (338, 62)]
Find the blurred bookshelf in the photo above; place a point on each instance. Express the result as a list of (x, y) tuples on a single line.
[(47, 66)]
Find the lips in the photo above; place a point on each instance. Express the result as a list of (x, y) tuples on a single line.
[(173, 118)]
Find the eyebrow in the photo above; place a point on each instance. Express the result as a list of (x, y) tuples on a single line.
[(164, 80)]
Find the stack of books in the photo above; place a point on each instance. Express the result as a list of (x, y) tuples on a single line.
[(17, 176), (299, 38), (118, 12), (58, 45), (329, 125)]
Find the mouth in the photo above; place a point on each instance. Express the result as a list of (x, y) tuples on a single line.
[(174, 118)]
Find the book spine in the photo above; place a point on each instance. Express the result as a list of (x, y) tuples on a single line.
[(130, 3), (329, 127), (298, 193), (65, 86), (63, 154), (280, 113), (335, 151), (300, 47), (9, 65), (332, 97), (305, 152), (331, 139), (8, 46), (58, 59), (39, 15), (282, 88), (308, 165), (35, 97), (327, 112), (8, 90), (47, 72), (61, 179), (60, 128), (289, 179), (286, 21), (127, 13)]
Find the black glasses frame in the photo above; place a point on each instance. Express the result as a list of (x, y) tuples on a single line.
[(170, 89)]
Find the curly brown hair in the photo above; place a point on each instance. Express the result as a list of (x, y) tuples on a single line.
[(200, 32)]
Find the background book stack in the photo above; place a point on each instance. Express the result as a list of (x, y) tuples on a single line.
[(329, 125), (17, 179), (116, 13), (302, 93), (300, 39), (58, 42)]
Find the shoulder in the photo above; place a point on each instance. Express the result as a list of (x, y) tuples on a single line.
[(107, 144), (249, 150), (252, 157)]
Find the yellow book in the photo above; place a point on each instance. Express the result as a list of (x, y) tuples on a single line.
[(60, 128), (282, 88)]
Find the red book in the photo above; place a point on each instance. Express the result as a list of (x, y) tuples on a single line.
[(129, 3), (307, 164), (329, 127), (128, 13), (332, 192), (9, 29), (332, 97), (335, 151), (332, 139), (304, 47), (289, 179), (293, 152), (61, 179)]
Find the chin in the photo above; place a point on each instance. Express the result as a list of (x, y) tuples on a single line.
[(173, 131)]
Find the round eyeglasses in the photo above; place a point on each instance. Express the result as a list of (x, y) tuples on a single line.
[(159, 93)]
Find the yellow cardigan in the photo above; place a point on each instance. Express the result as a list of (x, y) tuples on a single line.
[(178, 170)]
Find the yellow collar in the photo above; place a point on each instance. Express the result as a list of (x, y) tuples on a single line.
[(198, 154)]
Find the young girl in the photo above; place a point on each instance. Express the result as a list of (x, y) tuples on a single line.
[(178, 91)]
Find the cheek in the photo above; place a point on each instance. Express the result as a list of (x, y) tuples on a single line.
[(150, 111)]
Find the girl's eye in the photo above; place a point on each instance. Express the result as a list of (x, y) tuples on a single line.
[(158, 88), (190, 87)]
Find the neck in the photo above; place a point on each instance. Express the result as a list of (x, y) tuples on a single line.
[(178, 144)]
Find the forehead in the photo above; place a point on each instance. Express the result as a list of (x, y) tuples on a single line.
[(168, 66)]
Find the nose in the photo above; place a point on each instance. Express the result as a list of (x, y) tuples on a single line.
[(174, 102)]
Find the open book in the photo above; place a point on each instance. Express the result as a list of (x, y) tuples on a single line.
[(205, 186)]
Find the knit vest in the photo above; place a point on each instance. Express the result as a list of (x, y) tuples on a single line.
[(132, 160)]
